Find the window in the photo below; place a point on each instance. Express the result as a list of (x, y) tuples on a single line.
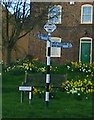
[(87, 14), (54, 14), (55, 51)]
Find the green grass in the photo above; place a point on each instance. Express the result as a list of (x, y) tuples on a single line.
[(61, 106)]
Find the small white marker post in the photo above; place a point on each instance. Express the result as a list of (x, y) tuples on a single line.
[(21, 96), (30, 97), (28, 89)]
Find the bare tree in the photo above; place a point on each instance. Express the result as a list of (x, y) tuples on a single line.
[(18, 21)]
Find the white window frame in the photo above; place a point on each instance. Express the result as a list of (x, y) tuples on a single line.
[(53, 49), (51, 14), (91, 20), (85, 40)]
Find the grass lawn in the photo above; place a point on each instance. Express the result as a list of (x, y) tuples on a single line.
[(62, 105)]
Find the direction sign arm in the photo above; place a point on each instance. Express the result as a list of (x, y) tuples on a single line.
[(62, 45)]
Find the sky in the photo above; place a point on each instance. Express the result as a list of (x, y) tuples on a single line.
[(12, 6), (50, 0), (28, 1)]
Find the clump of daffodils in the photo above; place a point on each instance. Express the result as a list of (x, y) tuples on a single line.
[(81, 67), (79, 86)]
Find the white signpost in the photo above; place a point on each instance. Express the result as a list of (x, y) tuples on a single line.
[(49, 27), (23, 89)]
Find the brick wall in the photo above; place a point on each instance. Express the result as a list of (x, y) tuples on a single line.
[(70, 30)]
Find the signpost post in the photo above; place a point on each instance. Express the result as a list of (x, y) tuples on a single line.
[(49, 28)]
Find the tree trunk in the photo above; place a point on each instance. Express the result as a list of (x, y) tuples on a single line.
[(8, 56)]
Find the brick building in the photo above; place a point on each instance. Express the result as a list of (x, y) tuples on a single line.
[(76, 26)]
